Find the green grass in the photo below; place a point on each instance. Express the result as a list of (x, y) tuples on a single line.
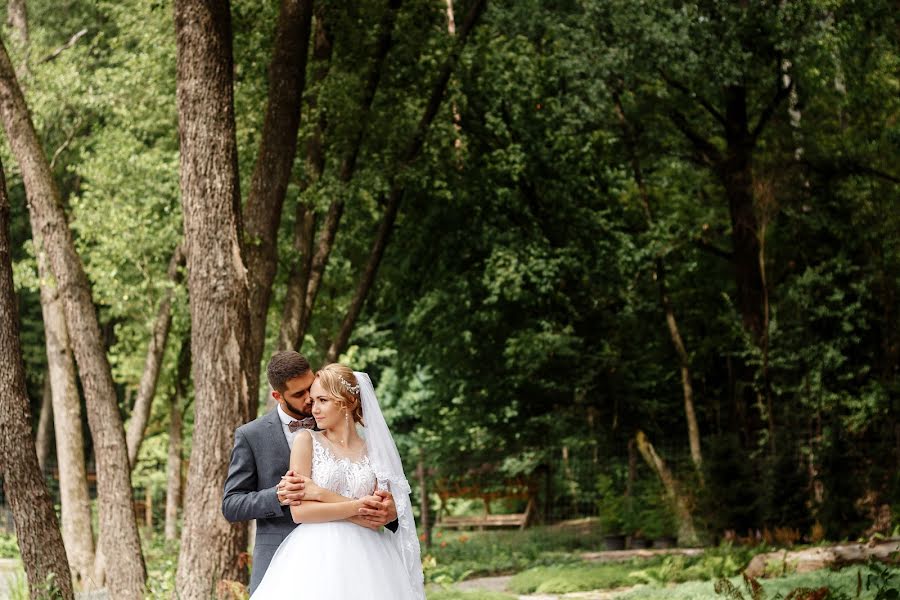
[(458, 555), (458, 595), (843, 581), (575, 578)]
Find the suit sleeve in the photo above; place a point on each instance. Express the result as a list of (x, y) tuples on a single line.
[(393, 525), (242, 501)]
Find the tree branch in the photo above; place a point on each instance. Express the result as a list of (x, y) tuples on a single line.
[(72, 41), (690, 94), (780, 95), (713, 249), (705, 150)]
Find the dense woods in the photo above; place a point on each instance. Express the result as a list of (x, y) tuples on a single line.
[(639, 259)]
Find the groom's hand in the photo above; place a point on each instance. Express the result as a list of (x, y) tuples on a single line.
[(290, 490), (379, 507)]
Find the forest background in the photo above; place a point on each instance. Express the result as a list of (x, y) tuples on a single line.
[(561, 236)]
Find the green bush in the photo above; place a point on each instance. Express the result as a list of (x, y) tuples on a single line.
[(9, 547)]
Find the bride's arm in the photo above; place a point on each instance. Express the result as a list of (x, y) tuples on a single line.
[(314, 511)]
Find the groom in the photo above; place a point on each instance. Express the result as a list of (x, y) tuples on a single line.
[(255, 487)]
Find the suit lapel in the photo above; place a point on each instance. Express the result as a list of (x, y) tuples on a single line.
[(279, 442)]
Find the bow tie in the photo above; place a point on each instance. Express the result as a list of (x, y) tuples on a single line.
[(307, 423)]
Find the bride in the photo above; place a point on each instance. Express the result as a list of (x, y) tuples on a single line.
[(328, 557)]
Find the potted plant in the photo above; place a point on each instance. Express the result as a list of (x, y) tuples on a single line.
[(611, 512)]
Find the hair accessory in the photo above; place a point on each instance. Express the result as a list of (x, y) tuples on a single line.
[(353, 389)]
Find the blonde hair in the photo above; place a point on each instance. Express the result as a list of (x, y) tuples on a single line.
[(341, 385)]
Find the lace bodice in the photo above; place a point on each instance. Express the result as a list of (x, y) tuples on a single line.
[(351, 477)]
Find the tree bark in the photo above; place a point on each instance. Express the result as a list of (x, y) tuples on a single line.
[(77, 531), (173, 462), (410, 153), (37, 530), (660, 276), (17, 19), (687, 534), (268, 184), (217, 284), (43, 439), (140, 413), (736, 173), (118, 529)]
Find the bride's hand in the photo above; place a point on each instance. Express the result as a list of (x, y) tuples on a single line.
[(366, 522), (311, 490), (379, 507)]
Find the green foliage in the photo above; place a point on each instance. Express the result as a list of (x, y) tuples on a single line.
[(573, 578), (460, 595), (456, 556), (9, 547)]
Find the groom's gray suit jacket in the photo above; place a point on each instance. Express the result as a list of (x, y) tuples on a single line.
[(260, 457)]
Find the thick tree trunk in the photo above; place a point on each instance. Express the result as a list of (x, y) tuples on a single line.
[(140, 414), (37, 531), (268, 185), (736, 173), (687, 534), (409, 154), (217, 284), (173, 462), (43, 438), (77, 531), (118, 529)]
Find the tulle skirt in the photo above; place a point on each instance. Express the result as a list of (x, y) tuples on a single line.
[(335, 561)]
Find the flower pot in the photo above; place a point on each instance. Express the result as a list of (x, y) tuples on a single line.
[(639, 543), (614, 542), (666, 541)]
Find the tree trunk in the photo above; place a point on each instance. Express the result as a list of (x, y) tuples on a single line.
[(17, 19), (217, 284), (409, 154), (829, 557), (173, 462), (660, 276), (43, 439), (329, 229), (140, 414), (37, 530), (292, 328), (736, 173), (268, 185), (424, 504), (118, 529), (289, 335), (77, 531), (687, 534)]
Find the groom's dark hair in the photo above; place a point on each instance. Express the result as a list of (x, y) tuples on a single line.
[(284, 366)]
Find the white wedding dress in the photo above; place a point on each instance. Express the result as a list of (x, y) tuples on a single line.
[(337, 560)]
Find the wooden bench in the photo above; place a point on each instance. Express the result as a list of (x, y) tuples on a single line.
[(481, 522)]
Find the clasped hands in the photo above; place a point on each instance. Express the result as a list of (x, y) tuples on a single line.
[(376, 510)]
